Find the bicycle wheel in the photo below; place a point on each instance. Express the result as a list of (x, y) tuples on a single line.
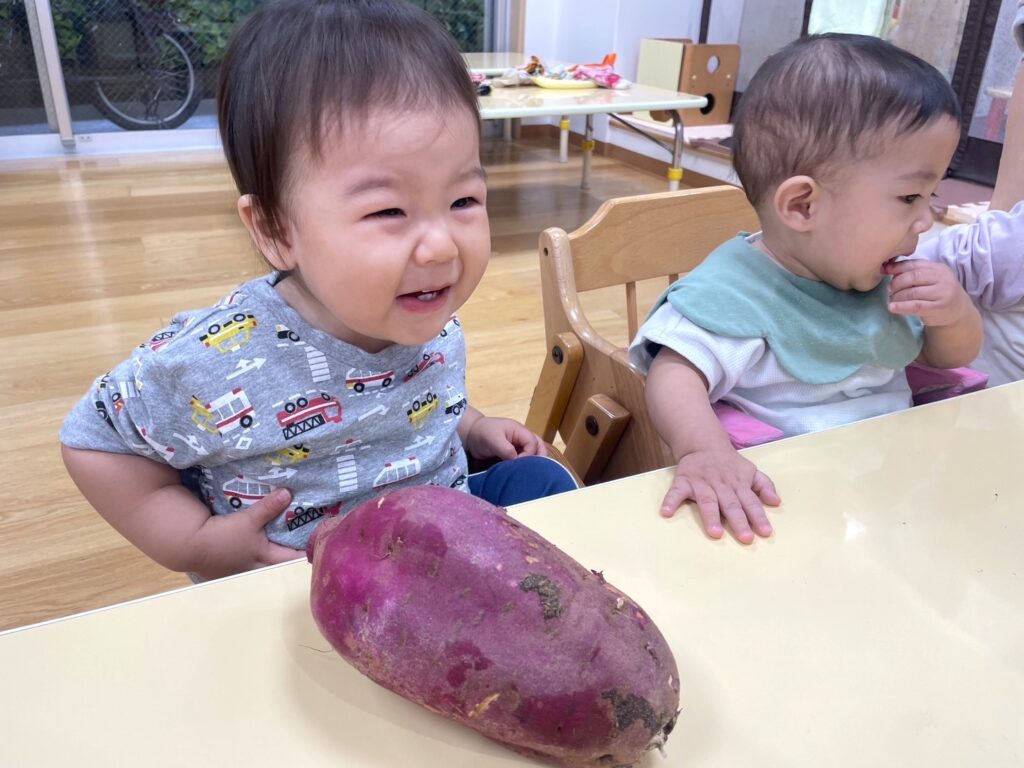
[(145, 85)]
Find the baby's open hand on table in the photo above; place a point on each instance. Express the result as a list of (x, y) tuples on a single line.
[(728, 489)]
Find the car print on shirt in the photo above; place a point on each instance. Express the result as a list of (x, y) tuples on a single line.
[(231, 335), (371, 381), (302, 414), (455, 403), (285, 333), (429, 358), (421, 408)]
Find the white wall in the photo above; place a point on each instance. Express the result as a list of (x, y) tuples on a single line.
[(577, 31)]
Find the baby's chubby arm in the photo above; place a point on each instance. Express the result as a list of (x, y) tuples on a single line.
[(724, 485), (146, 503), (487, 437), (953, 328)]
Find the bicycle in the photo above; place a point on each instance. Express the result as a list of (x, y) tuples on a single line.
[(134, 61)]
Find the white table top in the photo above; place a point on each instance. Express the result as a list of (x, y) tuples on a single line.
[(534, 101), (494, 63), (882, 625)]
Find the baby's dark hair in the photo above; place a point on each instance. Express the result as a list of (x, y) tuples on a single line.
[(297, 69), (825, 100)]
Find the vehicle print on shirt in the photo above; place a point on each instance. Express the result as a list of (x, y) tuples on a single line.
[(428, 359), (225, 414), (421, 408), (230, 335), (451, 325), (453, 477), (303, 414), (290, 454), (160, 340), (119, 392), (300, 515), (242, 491), (319, 369), (455, 403), (355, 380), (395, 471)]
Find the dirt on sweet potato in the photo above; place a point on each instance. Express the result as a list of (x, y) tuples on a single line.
[(453, 604)]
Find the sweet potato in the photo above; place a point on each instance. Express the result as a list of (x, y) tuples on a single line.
[(453, 604)]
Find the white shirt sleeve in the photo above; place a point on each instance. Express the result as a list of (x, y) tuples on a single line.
[(986, 255), (722, 360)]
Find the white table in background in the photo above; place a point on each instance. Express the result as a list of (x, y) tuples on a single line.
[(493, 63), (534, 101)]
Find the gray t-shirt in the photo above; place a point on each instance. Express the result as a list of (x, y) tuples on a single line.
[(244, 396)]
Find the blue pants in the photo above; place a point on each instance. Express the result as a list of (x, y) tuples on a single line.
[(523, 479)]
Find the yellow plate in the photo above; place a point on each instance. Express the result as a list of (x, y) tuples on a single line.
[(551, 82)]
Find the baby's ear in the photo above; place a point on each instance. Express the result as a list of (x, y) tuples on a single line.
[(274, 248), (795, 202)]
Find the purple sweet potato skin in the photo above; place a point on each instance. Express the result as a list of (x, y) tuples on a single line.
[(451, 603)]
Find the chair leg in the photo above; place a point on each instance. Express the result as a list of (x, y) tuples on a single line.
[(595, 435), (557, 378)]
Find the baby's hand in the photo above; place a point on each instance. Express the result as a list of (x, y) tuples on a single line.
[(236, 542), (726, 487), (928, 290), (493, 437)]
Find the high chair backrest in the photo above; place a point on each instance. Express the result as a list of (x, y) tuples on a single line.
[(588, 392)]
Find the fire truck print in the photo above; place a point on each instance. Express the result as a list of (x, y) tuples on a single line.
[(242, 492), (394, 471), (231, 335), (302, 414), (372, 381), (298, 517), (225, 414), (421, 408)]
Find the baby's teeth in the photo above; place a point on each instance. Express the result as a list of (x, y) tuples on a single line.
[(427, 296)]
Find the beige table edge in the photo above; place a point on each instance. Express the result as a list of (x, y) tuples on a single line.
[(883, 624)]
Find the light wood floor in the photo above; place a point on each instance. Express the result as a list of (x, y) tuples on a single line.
[(95, 254)]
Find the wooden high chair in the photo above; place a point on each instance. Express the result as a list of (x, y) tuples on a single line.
[(588, 391)]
